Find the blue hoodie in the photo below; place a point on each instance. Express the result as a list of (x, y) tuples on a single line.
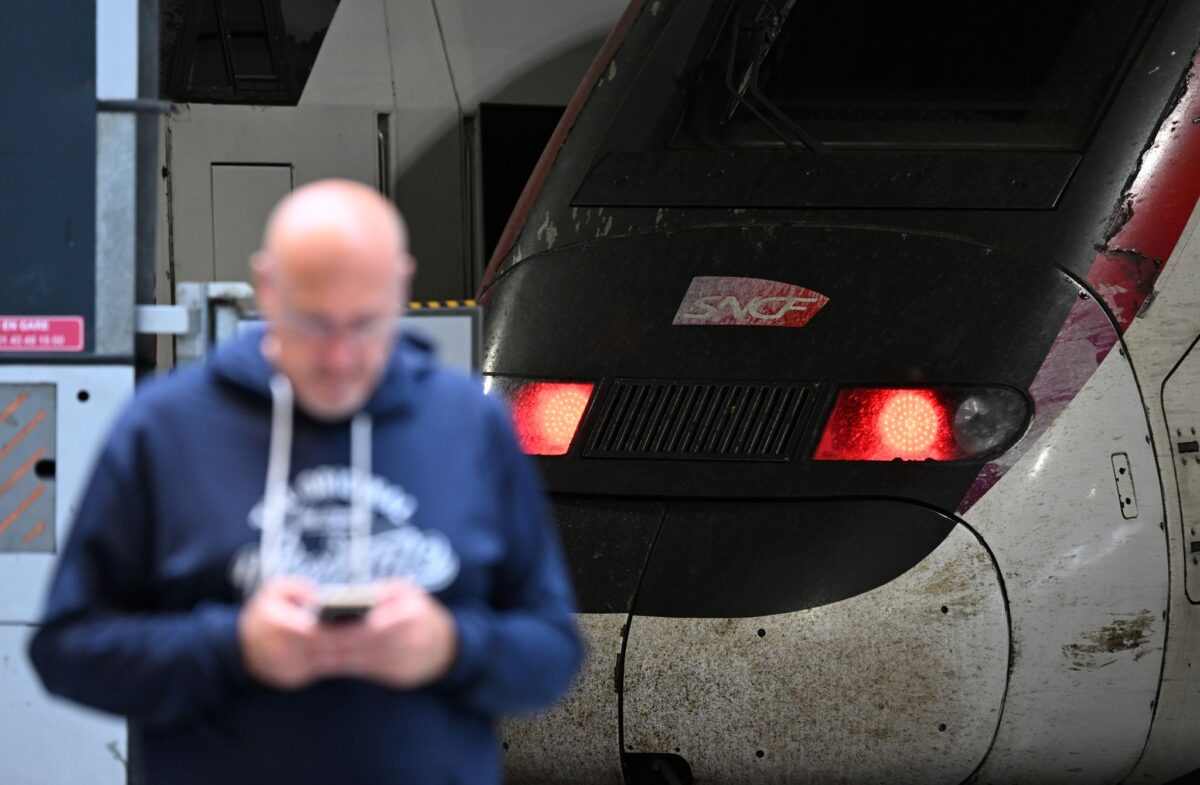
[(142, 615)]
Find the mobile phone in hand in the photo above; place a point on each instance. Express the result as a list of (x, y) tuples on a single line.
[(345, 603), (337, 613)]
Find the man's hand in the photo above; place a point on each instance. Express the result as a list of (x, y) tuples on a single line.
[(407, 640), (283, 645)]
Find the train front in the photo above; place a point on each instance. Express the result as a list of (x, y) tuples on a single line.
[(852, 472)]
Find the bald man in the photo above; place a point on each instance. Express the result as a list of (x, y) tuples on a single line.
[(236, 506)]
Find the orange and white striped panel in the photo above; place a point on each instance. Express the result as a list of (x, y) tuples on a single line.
[(27, 456)]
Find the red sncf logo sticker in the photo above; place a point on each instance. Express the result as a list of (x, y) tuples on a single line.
[(752, 302)]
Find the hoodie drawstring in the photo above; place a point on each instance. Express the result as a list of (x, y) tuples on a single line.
[(360, 500), (275, 495), (279, 459)]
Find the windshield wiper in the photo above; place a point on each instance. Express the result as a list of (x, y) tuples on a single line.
[(764, 28)]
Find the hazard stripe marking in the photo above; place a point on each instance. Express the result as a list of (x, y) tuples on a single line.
[(21, 471), (12, 407), (21, 434), (34, 533), (22, 507)]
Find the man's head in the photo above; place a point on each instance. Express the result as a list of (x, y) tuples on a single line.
[(331, 279)]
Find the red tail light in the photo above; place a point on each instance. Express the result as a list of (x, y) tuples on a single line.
[(881, 424), (911, 422), (546, 415)]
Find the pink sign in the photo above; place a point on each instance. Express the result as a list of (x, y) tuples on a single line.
[(747, 301), (41, 333)]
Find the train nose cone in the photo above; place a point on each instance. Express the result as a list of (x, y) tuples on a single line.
[(901, 683)]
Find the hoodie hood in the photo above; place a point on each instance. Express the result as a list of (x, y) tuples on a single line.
[(240, 363)]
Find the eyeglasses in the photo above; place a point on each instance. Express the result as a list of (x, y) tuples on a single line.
[(317, 328)]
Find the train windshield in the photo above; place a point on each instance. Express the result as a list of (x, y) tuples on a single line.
[(999, 75)]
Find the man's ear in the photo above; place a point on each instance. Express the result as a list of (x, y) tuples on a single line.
[(408, 267)]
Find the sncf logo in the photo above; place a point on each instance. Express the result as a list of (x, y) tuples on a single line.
[(747, 301)]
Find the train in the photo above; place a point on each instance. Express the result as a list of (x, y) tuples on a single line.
[(857, 347)]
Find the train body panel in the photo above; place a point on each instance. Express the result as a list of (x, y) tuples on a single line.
[(903, 683), (1086, 578), (1161, 343), (574, 740)]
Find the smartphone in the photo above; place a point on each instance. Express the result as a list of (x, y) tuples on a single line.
[(337, 613), (344, 603)]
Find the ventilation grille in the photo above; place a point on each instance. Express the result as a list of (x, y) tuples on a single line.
[(696, 420)]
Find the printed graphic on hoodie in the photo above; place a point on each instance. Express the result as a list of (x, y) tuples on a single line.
[(316, 535)]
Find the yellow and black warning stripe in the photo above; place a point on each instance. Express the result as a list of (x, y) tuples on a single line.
[(429, 305)]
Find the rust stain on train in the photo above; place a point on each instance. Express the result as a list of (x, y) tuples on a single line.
[(1111, 639)]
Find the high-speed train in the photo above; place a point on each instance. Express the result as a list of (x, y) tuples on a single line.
[(858, 345)]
